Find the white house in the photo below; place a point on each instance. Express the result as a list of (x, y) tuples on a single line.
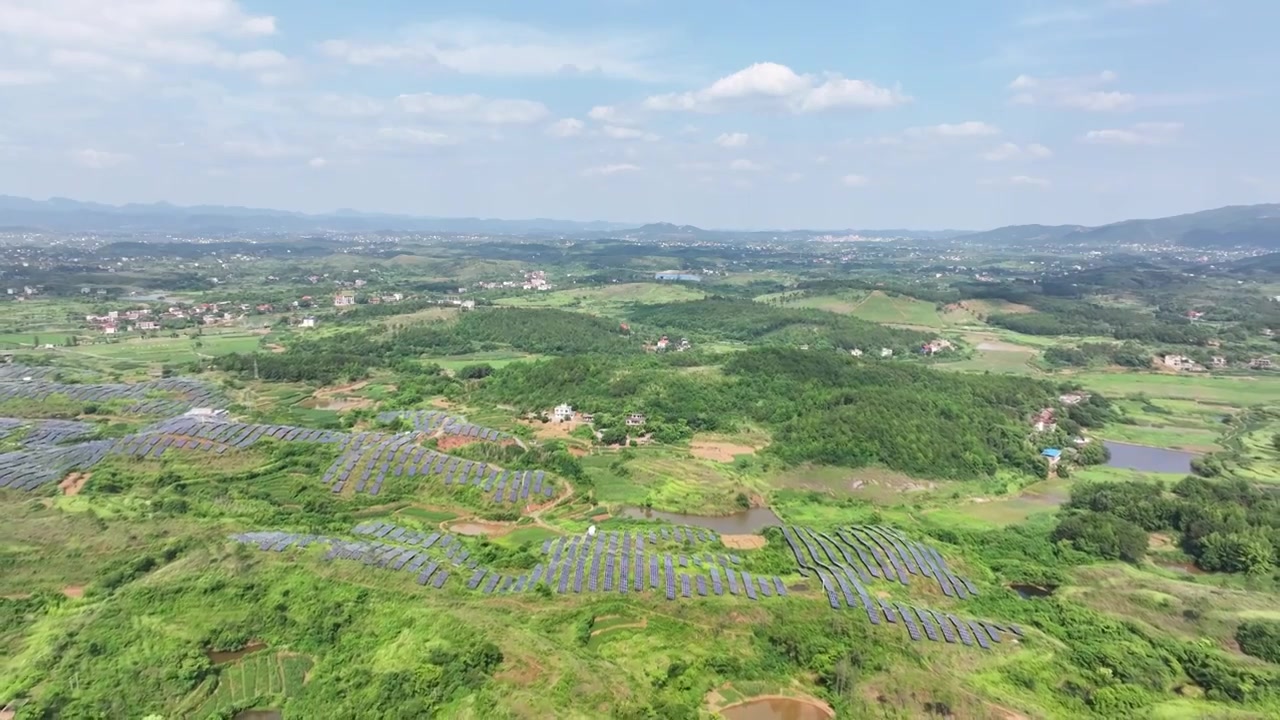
[(308, 322), (886, 352), (562, 412)]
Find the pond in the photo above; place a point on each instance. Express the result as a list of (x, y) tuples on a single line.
[(776, 708), (1032, 591), (1149, 459), (743, 523), (218, 657)]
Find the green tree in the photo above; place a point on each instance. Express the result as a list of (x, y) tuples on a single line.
[(1102, 535)]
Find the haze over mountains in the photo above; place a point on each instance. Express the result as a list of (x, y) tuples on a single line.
[(1240, 225)]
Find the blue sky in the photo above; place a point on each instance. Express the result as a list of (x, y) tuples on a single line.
[(877, 113)]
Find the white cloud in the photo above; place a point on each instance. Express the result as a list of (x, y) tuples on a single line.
[(121, 35), (317, 162), (1017, 181), (98, 159), (1078, 93), (745, 165), (615, 132), (1013, 151), (1144, 133), (503, 49), (732, 140), (613, 169), (793, 177), (609, 114), (770, 85), (971, 128), (473, 108), (415, 136), (567, 127), (853, 180)]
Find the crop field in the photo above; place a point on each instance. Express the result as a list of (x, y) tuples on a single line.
[(260, 679), (876, 306), (493, 358), (1176, 424), (1224, 390), (170, 350), (667, 480)]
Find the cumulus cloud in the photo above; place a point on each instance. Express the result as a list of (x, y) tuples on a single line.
[(1012, 151), (613, 169), (345, 106), (473, 108), (616, 132), (256, 149), (567, 127), (610, 114), (503, 49), (732, 140), (414, 136), (1085, 92), (1144, 133), (854, 181), (771, 85), (98, 159), (317, 162), (745, 165), (971, 128)]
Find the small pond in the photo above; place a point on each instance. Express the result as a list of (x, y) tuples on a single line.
[(1032, 591), (1149, 459), (218, 657), (744, 523), (776, 708)]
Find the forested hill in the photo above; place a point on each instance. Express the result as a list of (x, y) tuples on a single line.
[(746, 320), (823, 407), (1236, 225)]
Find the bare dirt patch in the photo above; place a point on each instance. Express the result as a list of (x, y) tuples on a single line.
[(73, 591), (1160, 541), (1002, 346), (336, 398), (476, 527), (718, 451), (275, 347), (743, 542), (72, 484)]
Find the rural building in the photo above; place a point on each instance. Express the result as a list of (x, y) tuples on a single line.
[(935, 346), (662, 344), (677, 276), (886, 352), (1073, 398), (1045, 420), (1053, 455), (1260, 363), (1179, 362), (562, 412), (587, 417), (856, 352), (1219, 361), (344, 298), (307, 322), (635, 420), (468, 305)]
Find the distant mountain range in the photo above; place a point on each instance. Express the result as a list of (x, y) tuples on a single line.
[(1240, 225), (62, 214)]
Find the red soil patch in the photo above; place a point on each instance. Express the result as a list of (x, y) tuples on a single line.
[(743, 542), (601, 518), (74, 483), (275, 347), (73, 591)]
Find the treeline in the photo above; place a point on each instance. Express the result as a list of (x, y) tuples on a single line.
[(1223, 525), (1127, 354), (740, 320), (350, 355), (1071, 317)]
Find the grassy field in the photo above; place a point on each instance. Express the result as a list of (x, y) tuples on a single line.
[(171, 350), (494, 358), (877, 306), (262, 679), (1233, 391), (670, 479)]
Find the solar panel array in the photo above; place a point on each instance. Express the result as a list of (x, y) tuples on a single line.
[(29, 469), (20, 373), (370, 552), (370, 457), (868, 552), (168, 396), (431, 421), (42, 433)]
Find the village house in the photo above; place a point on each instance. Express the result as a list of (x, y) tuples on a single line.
[(344, 298), (562, 412), (1073, 398), (1194, 315), (308, 322), (684, 345), (635, 420), (1053, 455), (935, 346), (1260, 363), (468, 304), (1219, 361), (661, 346), (1045, 420), (108, 329), (587, 417), (886, 352), (148, 325), (1179, 362)]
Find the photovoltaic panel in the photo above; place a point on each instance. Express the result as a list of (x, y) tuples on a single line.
[(926, 621), (748, 584), (766, 588), (779, 587), (492, 583), (701, 582), (439, 579)]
